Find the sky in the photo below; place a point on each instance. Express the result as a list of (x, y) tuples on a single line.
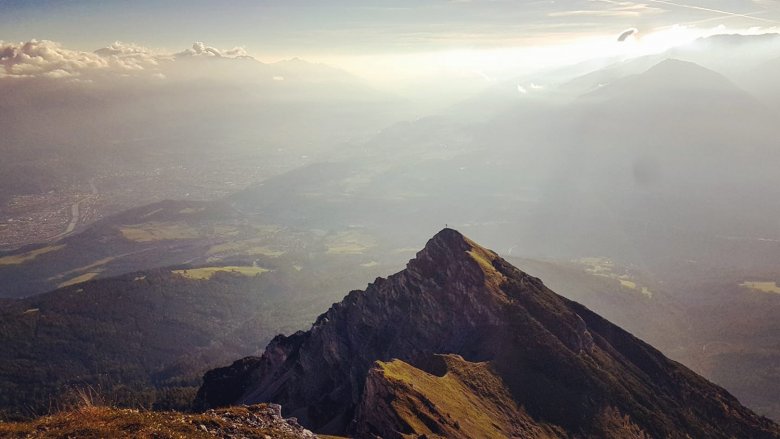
[(391, 38)]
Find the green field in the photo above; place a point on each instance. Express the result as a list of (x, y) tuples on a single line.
[(351, 242), (767, 287), (154, 231), (208, 272)]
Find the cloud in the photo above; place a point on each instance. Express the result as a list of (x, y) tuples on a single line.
[(48, 59), (132, 56), (610, 8), (200, 49), (715, 11), (44, 58)]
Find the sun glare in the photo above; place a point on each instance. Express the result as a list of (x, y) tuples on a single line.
[(500, 63)]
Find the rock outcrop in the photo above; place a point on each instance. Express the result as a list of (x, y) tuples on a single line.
[(261, 421), (531, 362)]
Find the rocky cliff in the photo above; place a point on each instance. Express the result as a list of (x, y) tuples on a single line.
[(520, 361)]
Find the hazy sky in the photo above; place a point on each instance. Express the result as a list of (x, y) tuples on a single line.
[(387, 36)]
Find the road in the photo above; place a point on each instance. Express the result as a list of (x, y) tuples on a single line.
[(75, 211)]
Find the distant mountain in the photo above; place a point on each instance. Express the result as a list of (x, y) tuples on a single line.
[(730, 54), (463, 344), (602, 77), (670, 77)]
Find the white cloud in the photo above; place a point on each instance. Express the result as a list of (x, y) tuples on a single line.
[(48, 59), (45, 58), (200, 49), (131, 56), (610, 8)]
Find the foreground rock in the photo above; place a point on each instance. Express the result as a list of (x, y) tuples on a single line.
[(263, 421), (519, 360)]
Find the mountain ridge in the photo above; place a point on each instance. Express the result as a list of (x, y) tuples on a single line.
[(564, 364)]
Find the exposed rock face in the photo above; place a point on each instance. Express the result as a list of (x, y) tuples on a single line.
[(567, 371), (262, 417)]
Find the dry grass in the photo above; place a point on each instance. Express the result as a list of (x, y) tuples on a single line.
[(29, 256), (92, 422), (468, 401)]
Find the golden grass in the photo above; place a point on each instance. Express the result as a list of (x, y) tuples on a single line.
[(470, 400), (91, 422), (209, 272), (485, 258), (155, 231), (78, 279), (767, 287), (30, 255)]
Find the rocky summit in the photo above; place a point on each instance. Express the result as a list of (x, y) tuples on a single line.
[(461, 344)]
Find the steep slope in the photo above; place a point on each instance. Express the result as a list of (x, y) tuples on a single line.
[(451, 397), (572, 372)]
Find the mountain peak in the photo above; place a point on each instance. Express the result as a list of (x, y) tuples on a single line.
[(679, 74), (535, 364), (445, 245), (672, 80), (450, 254), (448, 236), (673, 66)]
